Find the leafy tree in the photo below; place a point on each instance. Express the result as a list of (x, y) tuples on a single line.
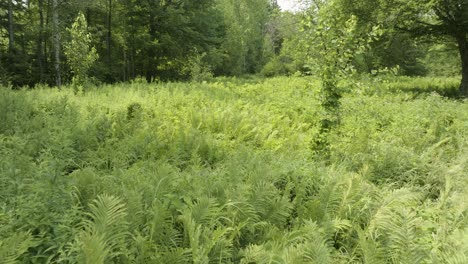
[(161, 35), (80, 54), (244, 42), (394, 48), (16, 59), (442, 60), (441, 19)]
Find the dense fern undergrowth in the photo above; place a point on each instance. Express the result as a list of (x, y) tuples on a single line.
[(227, 172)]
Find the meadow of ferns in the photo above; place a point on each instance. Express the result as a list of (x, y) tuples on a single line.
[(228, 172)]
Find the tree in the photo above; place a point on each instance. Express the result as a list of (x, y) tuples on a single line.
[(150, 38), (11, 33), (335, 38), (56, 22), (246, 27), (434, 18), (109, 36), (41, 42), (80, 54)]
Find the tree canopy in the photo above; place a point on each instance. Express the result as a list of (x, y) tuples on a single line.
[(437, 20), (170, 40)]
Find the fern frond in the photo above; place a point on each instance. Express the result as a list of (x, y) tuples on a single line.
[(256, 254), (397, 230), (205, 233), (161, 226), (205, 210), (107, 217), (11, 248), (370, 250), (104, 231), (270, 204), (318, 250), (241, 212), (454, 257), (174, 256), (306, 244), (94, 249)]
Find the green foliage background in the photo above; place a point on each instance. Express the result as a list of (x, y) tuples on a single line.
[(226, 172)]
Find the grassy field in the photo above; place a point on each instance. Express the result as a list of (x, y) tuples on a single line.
[(227, 172)]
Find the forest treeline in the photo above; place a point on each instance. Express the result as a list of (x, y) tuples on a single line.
[(186, 39)]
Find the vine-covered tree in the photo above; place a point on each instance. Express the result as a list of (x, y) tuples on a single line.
[(334, 39)]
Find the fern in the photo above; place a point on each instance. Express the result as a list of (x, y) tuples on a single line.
[(160, 224), (395, 229), (223, 172), (307, 244), (14, 246), (370, 251), (93, 249), (269, 204), (209, 240), (104, 231)]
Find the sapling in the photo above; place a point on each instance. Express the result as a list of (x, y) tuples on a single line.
[(334, 40), (80, 53)]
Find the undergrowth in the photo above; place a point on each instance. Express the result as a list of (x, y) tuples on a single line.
[(226, 172)]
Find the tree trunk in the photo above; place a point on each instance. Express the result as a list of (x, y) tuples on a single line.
[(132, 62), (125, 65), (109, 36), (46, 46), (88, 17), (40, 43), (151, 65), (55, 18), (132, 48), (11, 33), (463, 49)]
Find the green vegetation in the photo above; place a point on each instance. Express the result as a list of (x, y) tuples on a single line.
[(227, 172), (146, 132), (183, 40)]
